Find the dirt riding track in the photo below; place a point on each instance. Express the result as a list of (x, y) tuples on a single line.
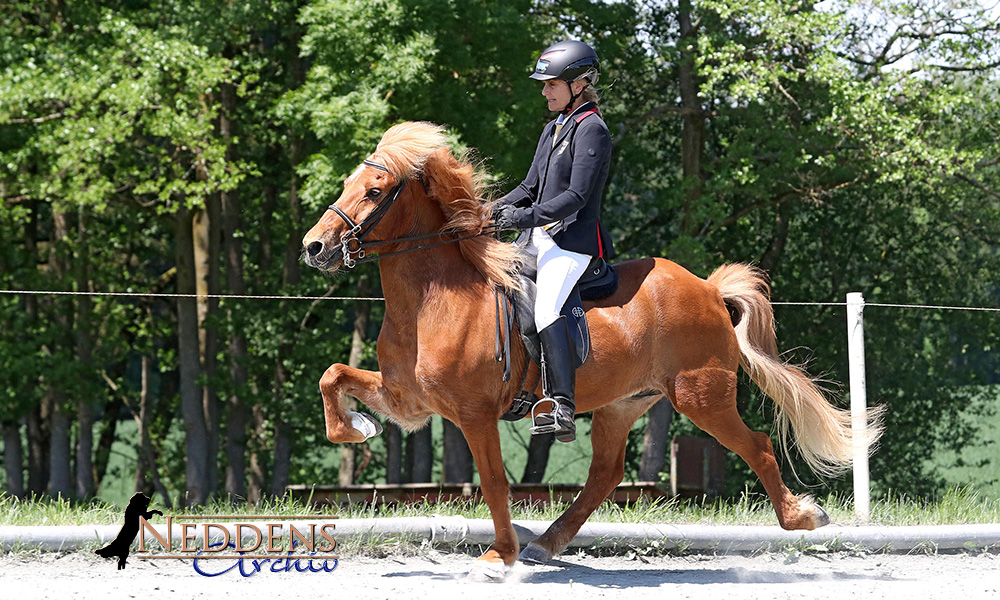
[(440, 575)]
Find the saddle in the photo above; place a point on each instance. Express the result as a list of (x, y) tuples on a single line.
[(600, 281)]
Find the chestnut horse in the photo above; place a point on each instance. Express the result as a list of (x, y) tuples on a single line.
[(664, 332)]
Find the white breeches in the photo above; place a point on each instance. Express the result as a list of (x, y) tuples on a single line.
[(558, 272)]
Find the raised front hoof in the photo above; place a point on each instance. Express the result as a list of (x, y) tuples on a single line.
[(367, 425), (486, 571), (534, 554)]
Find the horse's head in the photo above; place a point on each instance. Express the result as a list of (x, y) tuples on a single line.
[(412, 193), (381, 201), (360, 214)]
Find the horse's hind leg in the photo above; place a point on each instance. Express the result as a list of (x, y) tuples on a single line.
[(708, 397), (608, 435)]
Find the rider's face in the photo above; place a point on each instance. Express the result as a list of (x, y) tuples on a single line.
[(557, 93)]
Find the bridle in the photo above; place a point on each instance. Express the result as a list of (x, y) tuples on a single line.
[(352, 242)]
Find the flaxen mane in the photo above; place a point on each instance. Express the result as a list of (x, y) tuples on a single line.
[(458, 187)]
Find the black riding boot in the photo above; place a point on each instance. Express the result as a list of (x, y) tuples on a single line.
[(558, 382)]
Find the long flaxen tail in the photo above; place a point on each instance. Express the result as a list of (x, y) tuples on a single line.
[(821, 432)]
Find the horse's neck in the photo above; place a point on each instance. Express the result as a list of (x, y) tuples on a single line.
[(412, 280)]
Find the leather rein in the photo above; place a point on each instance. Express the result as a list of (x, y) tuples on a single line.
[(352, 242)]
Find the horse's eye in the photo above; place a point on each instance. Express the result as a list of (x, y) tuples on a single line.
[(373, 193)]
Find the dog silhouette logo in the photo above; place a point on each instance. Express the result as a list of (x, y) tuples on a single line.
[(136, 508)]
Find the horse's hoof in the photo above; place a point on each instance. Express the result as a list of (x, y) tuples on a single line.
[(484, 571), (368, 426), (534, 554), (821, 517)]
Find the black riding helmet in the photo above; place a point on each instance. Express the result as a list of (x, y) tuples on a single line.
[(569, 60)]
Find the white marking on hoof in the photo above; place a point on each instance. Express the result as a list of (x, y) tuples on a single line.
[(365, 424), (534, 554), (484, 571)]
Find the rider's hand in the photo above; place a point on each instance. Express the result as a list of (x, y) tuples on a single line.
[(506, 217)]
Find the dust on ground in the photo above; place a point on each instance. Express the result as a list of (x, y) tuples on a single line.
[(572, 576)]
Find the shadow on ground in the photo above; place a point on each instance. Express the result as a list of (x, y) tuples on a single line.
[(563, 572)]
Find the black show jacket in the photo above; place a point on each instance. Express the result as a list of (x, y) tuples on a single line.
[(565, 183)]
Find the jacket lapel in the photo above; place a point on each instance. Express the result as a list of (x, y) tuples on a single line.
[(563, 137)]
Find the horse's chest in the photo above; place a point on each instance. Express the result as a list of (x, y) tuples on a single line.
[(410, 367)]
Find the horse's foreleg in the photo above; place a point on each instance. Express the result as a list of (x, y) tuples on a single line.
[(484, 441), (608, 435), (348, 426), (708, 398)]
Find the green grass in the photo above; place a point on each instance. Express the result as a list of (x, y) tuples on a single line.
[(960, 505)]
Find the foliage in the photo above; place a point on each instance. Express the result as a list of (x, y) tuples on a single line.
[(844, 146)]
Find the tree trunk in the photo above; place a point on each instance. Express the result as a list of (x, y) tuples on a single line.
[(281, 471), (163, 407), (237, 417), (361, 311), (206, 252), (656, 442), (693, 130), (538, 458), (37, 418), (192, 406), (60, 480), (38, 448), (420, 455), (146, 469), (258, 468), (107, 439), (13, 460), (394, 453), (456, 458), (85, 476)]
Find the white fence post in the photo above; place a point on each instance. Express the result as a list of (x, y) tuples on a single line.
[(859, 421)]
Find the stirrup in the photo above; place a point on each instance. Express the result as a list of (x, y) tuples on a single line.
[(544, 422), (547, 422)]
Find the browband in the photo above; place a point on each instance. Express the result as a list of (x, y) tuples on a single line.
[(376, 165)]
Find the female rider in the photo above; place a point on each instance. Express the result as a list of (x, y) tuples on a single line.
[(558, 206)]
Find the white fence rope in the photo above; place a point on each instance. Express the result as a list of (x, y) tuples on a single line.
[(888, 305), (163, 295), (379, 298)]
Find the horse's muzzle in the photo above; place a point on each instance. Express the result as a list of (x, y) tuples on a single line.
[(325, 257)]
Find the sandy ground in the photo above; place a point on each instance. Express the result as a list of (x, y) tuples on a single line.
[(573, 576)]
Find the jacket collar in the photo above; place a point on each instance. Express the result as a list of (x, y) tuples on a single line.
[(576, 113), (569, 122)]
